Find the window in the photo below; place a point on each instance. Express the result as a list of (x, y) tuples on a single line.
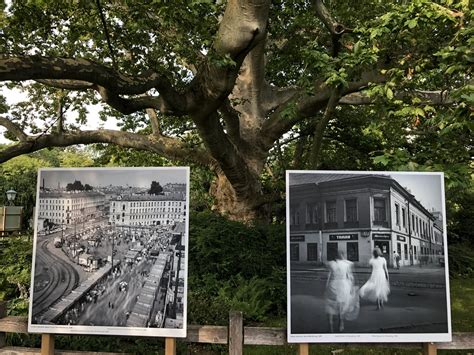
[(351, 210), (404, 222), (294, 252), (311, 213), (413, 223), (353, 251), (397, 214), (294, 216), (379, 210), (312, 250), (331, 211)]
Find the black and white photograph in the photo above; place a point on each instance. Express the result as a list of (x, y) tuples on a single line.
[(367, 257), (110, 251)]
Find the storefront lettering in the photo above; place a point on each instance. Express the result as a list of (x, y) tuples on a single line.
[(297, 238), (343, 237)]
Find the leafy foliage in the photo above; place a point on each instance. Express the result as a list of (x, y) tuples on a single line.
[(234, 266), (15, 273)]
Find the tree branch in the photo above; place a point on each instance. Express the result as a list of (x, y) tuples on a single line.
[(435, 98), (35, 67), (231, 119), (75, 85), (303, 106), (170, 148), (336, 28), (242, 27), (155, 123), (321, 126), (13, 128), (131, 105)]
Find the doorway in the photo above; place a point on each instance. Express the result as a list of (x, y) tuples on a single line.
[(385, 248)]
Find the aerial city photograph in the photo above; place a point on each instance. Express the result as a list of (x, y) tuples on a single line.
[(110, 249)]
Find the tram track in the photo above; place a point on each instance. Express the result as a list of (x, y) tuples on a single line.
[(63, 279)]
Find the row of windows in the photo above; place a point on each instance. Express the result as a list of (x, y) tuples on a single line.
[(312, 213), (418, 226), (147, 217), (152, 204)]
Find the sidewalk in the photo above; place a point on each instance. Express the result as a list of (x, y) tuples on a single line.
[(428, 276)]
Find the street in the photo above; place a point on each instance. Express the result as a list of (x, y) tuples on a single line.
[(412, 307), (60, 269)]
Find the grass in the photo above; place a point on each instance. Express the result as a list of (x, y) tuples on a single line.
[(462, 305)]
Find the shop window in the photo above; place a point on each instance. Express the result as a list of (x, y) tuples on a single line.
[(312, 250), (379, 210), (294, 252), (331, 251), (331, 216), (351, 210), (353, 251)]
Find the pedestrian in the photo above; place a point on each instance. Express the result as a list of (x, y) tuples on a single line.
[(342, 298), (377, 288), (396, 259)]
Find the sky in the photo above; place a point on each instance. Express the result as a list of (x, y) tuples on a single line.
[(426, 187), (13, 96), (139, 177)]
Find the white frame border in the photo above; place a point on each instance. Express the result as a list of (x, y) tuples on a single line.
[(103, 330), (366, 337)]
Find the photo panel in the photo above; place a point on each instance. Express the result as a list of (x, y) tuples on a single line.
[(367, 257), (110, 252)]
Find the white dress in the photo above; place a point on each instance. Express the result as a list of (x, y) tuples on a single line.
[(341, 296), (377, 286)]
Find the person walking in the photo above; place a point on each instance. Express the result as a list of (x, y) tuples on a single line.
[(377, 288), (342, 299), (396, 259)]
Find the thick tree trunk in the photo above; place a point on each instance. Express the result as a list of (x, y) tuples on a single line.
[(244, 208)]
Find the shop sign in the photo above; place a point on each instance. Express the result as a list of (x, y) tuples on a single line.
[(381, 236), (343, 237), (297, 238), (401, 238)]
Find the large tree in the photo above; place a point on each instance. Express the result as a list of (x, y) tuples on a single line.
[(233, 84)]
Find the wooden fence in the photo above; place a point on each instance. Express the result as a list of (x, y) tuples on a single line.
[(235, 336)]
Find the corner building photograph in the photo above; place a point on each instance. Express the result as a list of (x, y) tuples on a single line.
[(356, 213), (366, 256)]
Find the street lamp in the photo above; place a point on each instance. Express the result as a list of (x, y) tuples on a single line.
[(11, 194)]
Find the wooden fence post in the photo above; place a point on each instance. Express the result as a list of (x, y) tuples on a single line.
[(236, 333), (303, 349), (3, 313), (170, 346), (47, 344), (429, 349)]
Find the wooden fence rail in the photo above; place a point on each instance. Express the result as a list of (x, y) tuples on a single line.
[(235, 336)]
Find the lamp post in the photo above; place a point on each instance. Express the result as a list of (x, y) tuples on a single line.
[(11, 194)]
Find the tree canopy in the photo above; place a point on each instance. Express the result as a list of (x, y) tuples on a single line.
[(247, 88)]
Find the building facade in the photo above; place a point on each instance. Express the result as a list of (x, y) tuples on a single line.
[(68, 208), (147, 210), (356, 214)]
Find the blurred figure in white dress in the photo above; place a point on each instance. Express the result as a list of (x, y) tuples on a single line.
[(377, 287), (342, 299)]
